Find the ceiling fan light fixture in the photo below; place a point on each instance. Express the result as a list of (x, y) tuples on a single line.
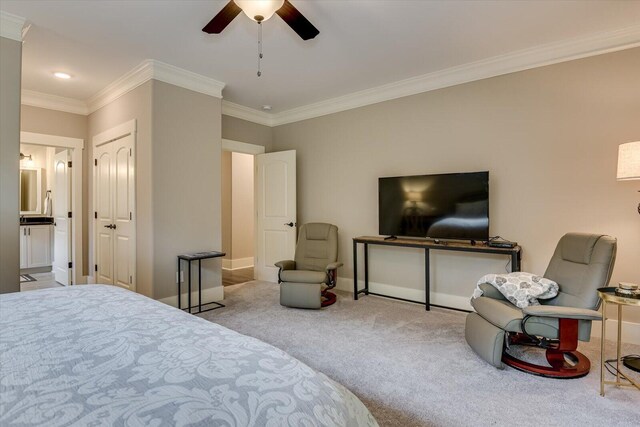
[(259, 10)]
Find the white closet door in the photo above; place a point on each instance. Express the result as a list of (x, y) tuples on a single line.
[(62, 222), (115, 198), (275, 184)]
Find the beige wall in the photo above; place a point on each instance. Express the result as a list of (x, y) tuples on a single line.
[(60, 123), (10, 83), (238, 238), (242, 205), (186, 183), (548, 136), (52, 122), (133, 105), (252, 133)]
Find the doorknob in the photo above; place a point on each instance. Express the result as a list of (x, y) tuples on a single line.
[(111, 226), (291, 224)]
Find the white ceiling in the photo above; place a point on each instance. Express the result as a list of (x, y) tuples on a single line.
[(362, 44)]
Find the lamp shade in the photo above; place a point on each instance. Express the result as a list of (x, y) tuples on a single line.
[(629, 161), (259, 10)]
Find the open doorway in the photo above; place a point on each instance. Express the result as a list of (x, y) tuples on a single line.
[(50, 211), (238, 211)]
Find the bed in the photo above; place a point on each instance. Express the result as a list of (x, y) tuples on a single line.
[(99, 355)]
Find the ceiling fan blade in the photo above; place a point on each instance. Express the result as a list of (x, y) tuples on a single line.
[(297, 21), (222, 19)]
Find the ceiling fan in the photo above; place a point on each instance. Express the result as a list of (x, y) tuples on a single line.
[(259, 11)]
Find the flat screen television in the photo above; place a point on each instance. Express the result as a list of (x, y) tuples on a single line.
[(445, 206)]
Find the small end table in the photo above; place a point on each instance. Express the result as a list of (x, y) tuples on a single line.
[(199, 256), (608, 295)]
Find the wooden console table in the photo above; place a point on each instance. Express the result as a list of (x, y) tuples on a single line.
[(515, 253)]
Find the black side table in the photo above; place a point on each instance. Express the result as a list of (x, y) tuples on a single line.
[(199, 256)]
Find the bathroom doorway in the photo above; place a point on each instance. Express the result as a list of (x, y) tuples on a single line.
[(50, 211)]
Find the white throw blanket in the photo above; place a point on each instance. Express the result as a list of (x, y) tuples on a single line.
[(521, 289)]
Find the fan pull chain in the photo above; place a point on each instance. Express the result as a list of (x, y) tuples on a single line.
[(259, 47)]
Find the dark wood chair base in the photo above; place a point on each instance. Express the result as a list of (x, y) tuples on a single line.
[(559, 368), (328, 298), (557, 354)]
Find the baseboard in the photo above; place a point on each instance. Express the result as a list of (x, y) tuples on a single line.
[(438, 298), (630, 331), (208, 295), (236, 264)]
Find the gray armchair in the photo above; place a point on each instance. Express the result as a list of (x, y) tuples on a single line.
[(305, 282), (580, 265)]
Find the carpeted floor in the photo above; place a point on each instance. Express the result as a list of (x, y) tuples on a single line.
[(414, 368)]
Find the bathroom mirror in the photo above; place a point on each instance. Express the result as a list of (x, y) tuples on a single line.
[(30, 191)]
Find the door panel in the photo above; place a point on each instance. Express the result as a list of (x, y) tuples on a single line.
[(276, 207), (122, 254), (62, 226), (104, 248), (275, 177), (104, 212), (121, 187)]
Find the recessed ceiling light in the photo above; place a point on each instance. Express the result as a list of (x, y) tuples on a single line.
[(266, 107), (62, 75)]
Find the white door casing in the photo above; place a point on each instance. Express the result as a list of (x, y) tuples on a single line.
[(275, 189), (114, 198), (61, 220)]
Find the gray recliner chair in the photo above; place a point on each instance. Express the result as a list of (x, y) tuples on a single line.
[(305, 282), (580, 265)]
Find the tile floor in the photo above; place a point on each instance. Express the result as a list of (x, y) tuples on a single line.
[(43, 281)]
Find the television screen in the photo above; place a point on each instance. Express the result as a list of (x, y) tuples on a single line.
[(445, 206)]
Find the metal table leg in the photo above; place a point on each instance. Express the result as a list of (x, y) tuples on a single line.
[(179, 283), (366, 269), (515, 261), (199, 285), (618, 350), (427, 280), (602, 352), (355, 270), (189, 296)]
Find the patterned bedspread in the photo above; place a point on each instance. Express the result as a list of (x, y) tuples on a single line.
[(96, 355)]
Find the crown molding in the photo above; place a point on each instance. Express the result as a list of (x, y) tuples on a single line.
[(11, 26), (156, 70), (246, 113), (186, 79), (539, 56), (54, 102), (139, 75)]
